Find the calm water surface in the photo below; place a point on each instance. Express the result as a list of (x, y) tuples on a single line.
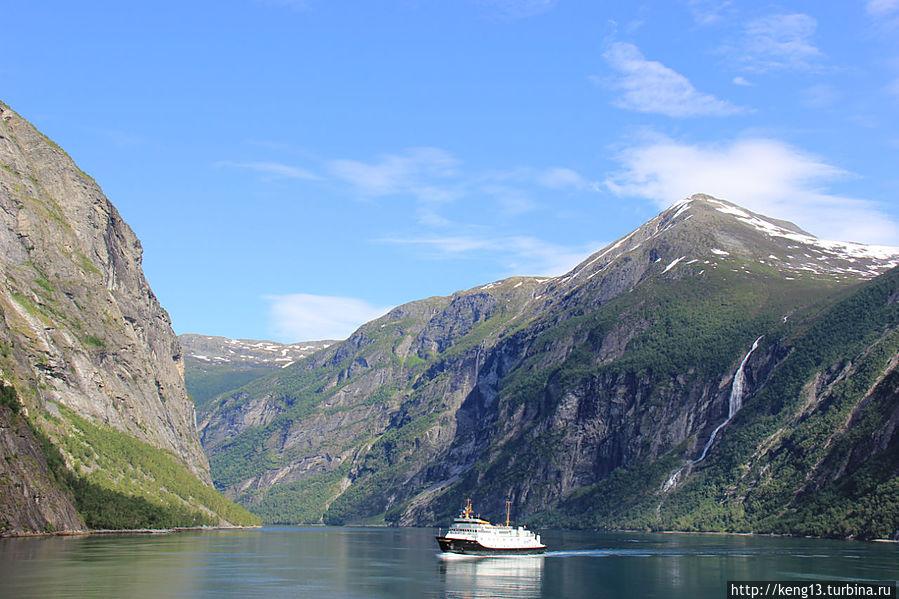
[(400, 563)]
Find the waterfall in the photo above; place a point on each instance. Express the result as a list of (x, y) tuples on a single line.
[(711, 440), (735, 402), (736, 389), (673, 479)]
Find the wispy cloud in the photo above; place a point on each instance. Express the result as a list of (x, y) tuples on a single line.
[(520, 254), (884, 15), (882, 8), (434, 184), (417, 172), (781, 42), (305, 317), (274, 170), (517, 9), (764, 175), (651, 87), (741, 81), (561, 178), (706, 12), (434, 178), (555, 177)]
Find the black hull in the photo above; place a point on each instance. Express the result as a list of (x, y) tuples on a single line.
[(466, 547)]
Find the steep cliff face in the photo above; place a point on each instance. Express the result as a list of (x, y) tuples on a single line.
[(88, 331), (30, 498), (537, 390), (81, 333)]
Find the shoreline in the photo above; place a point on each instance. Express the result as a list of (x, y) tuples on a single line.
[(762, 534), (124, 531), (166, 531)]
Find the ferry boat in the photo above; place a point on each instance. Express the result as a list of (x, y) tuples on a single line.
[(471, 535)]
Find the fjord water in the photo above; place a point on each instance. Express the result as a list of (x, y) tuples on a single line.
[(404, 563)]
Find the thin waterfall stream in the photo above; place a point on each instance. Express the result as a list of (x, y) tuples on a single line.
[(735, 402)]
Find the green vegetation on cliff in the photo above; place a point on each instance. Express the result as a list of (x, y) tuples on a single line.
[(579, 397), (810, 453), (119, 482)]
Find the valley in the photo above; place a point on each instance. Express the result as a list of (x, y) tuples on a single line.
[(712, 370), (603, 398)]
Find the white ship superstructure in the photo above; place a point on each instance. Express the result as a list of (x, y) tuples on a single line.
[(472, 535)]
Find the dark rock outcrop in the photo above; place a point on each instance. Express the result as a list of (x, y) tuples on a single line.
[(539, 390)]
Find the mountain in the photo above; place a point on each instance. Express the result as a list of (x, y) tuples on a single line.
[(599, 398), (213, 365), (96, 420)]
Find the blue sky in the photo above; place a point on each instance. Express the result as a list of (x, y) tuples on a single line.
[(295, 168)]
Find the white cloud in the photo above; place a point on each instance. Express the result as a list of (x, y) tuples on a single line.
[(742, 81), (272, 169), (763, 175), (532, 256), (433, 178), (412, 172), (650, 86), (561, 178), (521, 255), (881, 8), (304, 317), (447, 244), (885, 15), (781, 42), (706, 12), (556, 178)]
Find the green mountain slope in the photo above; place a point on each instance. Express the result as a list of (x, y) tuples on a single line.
[(813, 450), (551, 392)]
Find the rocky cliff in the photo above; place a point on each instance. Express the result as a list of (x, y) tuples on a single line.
[(544, 390), (81, 333), (31, 499)]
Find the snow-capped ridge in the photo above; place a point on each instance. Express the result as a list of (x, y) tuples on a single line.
[(735, 233), (220, 350)]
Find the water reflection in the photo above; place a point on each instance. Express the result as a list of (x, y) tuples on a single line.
[(518, 577), (396, 563)]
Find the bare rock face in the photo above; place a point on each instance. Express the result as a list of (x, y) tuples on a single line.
[(30, 501), (570, 392), (79, 325)]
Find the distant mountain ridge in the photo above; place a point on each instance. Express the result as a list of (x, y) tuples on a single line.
[(544, 391), (213, 365), (221, 350)]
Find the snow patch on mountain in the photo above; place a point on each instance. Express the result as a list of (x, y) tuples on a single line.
[(220, 350), (673, 264)]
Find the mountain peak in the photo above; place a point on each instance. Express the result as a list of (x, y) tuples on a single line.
[(703, 204), (707, 230)]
